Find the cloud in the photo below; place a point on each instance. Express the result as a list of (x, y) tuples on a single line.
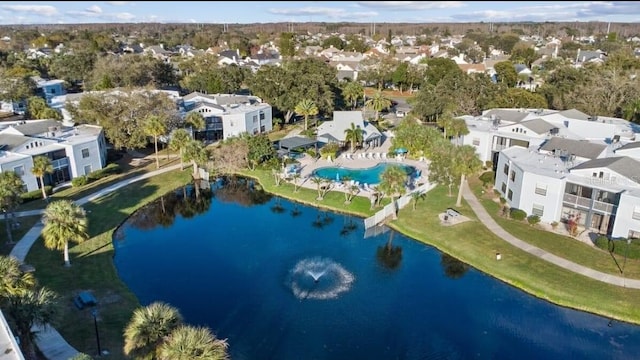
[(94, 9), (42, 10), (333, 13), (411, 5), (118, 3), (584, 11)]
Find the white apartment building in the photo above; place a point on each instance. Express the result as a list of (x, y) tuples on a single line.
[(73, 150), (498, 129), (228, 115)]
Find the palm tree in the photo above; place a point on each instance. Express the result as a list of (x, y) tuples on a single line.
[(154, 126), (353, 135), (179, 140), (11, 186), (27, 309), (295, 178), (148, 328), (378, 102), (319, 182), (465, 163), (352, 91), (195, 152), (392, 182), (12, 279), (64, 221), (306, 108), (417, 195), (193, 343), (41, 167), (197, 122)]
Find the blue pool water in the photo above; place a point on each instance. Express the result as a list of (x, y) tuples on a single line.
[(244, 264), (368, 175)]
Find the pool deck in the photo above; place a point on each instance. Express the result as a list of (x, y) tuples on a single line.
[(358, 160)]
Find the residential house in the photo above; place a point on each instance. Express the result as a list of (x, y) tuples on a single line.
[(335, 130), (73, 150), (229, 57), (48, 89), (158, 52), (229, 115), (585, 57)]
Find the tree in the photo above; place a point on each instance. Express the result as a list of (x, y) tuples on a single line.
[(287, 44), (352, 91), (294, 178), (64, 221), (416, 196), (438, 68), (378, 102), (518, 98), (154, 126), (195, 152), (29, 308), (12, 279), (148, 328), (631, 111), (465, 163), (196, 120), (306, 108), (506, 73), (319, 186), (11, 186), (392, 183), (354, 135), (193, 343), (42, 166), (260, 149), (440, 167), (37, 108), (179, 140)]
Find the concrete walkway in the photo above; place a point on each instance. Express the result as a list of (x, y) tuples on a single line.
[(488, 221), (52, 345)]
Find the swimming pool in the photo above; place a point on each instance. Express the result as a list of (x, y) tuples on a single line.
[(369, 175)]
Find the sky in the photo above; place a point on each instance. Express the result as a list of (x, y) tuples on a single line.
[(67, 12)]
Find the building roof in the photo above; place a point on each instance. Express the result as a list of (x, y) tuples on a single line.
[(36, 127), (507, 115), (538, 126), (629, 146), (342, 121), (9, 142), (623, 165), (296, 142), (575, 114), (581, 148)]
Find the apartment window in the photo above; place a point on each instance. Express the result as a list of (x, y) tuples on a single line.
[(636, 213), (85, 153), (512, 176), (262, 128), (503, 188), (19, 170), (262, 116), (541, 189), (476, 142), (255, 119), (510, 195), (87, 169), (506, 169), (537, 209)]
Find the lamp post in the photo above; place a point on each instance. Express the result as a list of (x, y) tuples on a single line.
[(94, 312)]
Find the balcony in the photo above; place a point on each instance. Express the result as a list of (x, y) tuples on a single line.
[(577, 200), (60, 163), (586, 203)]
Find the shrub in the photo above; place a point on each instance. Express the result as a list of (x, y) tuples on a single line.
[(533, 219), (79, 181), (82, 356), (488, 164), (312, 153), (106, 171), (35, 194), (517, 214), (503, 200), (331, 149), (487, 177)]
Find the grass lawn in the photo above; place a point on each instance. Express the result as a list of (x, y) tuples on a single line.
[(93, 269), (26, 223), (563, 246)]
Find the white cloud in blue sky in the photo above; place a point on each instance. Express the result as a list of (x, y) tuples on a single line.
[(41, 12)]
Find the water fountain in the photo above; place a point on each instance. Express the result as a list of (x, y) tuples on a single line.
[(319, 278)]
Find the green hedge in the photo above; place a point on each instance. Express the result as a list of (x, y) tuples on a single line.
[(517, 214), (35, 194), (110, 169)]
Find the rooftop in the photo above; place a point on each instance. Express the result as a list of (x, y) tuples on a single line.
[(532, 161)]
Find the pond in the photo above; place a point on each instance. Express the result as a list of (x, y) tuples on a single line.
[(285, 281), (363, 176)]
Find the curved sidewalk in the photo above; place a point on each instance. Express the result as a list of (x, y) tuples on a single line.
[(493, 226), (52, 345)]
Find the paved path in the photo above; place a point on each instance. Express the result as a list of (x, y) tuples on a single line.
[(488, 221), (52, 345)]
